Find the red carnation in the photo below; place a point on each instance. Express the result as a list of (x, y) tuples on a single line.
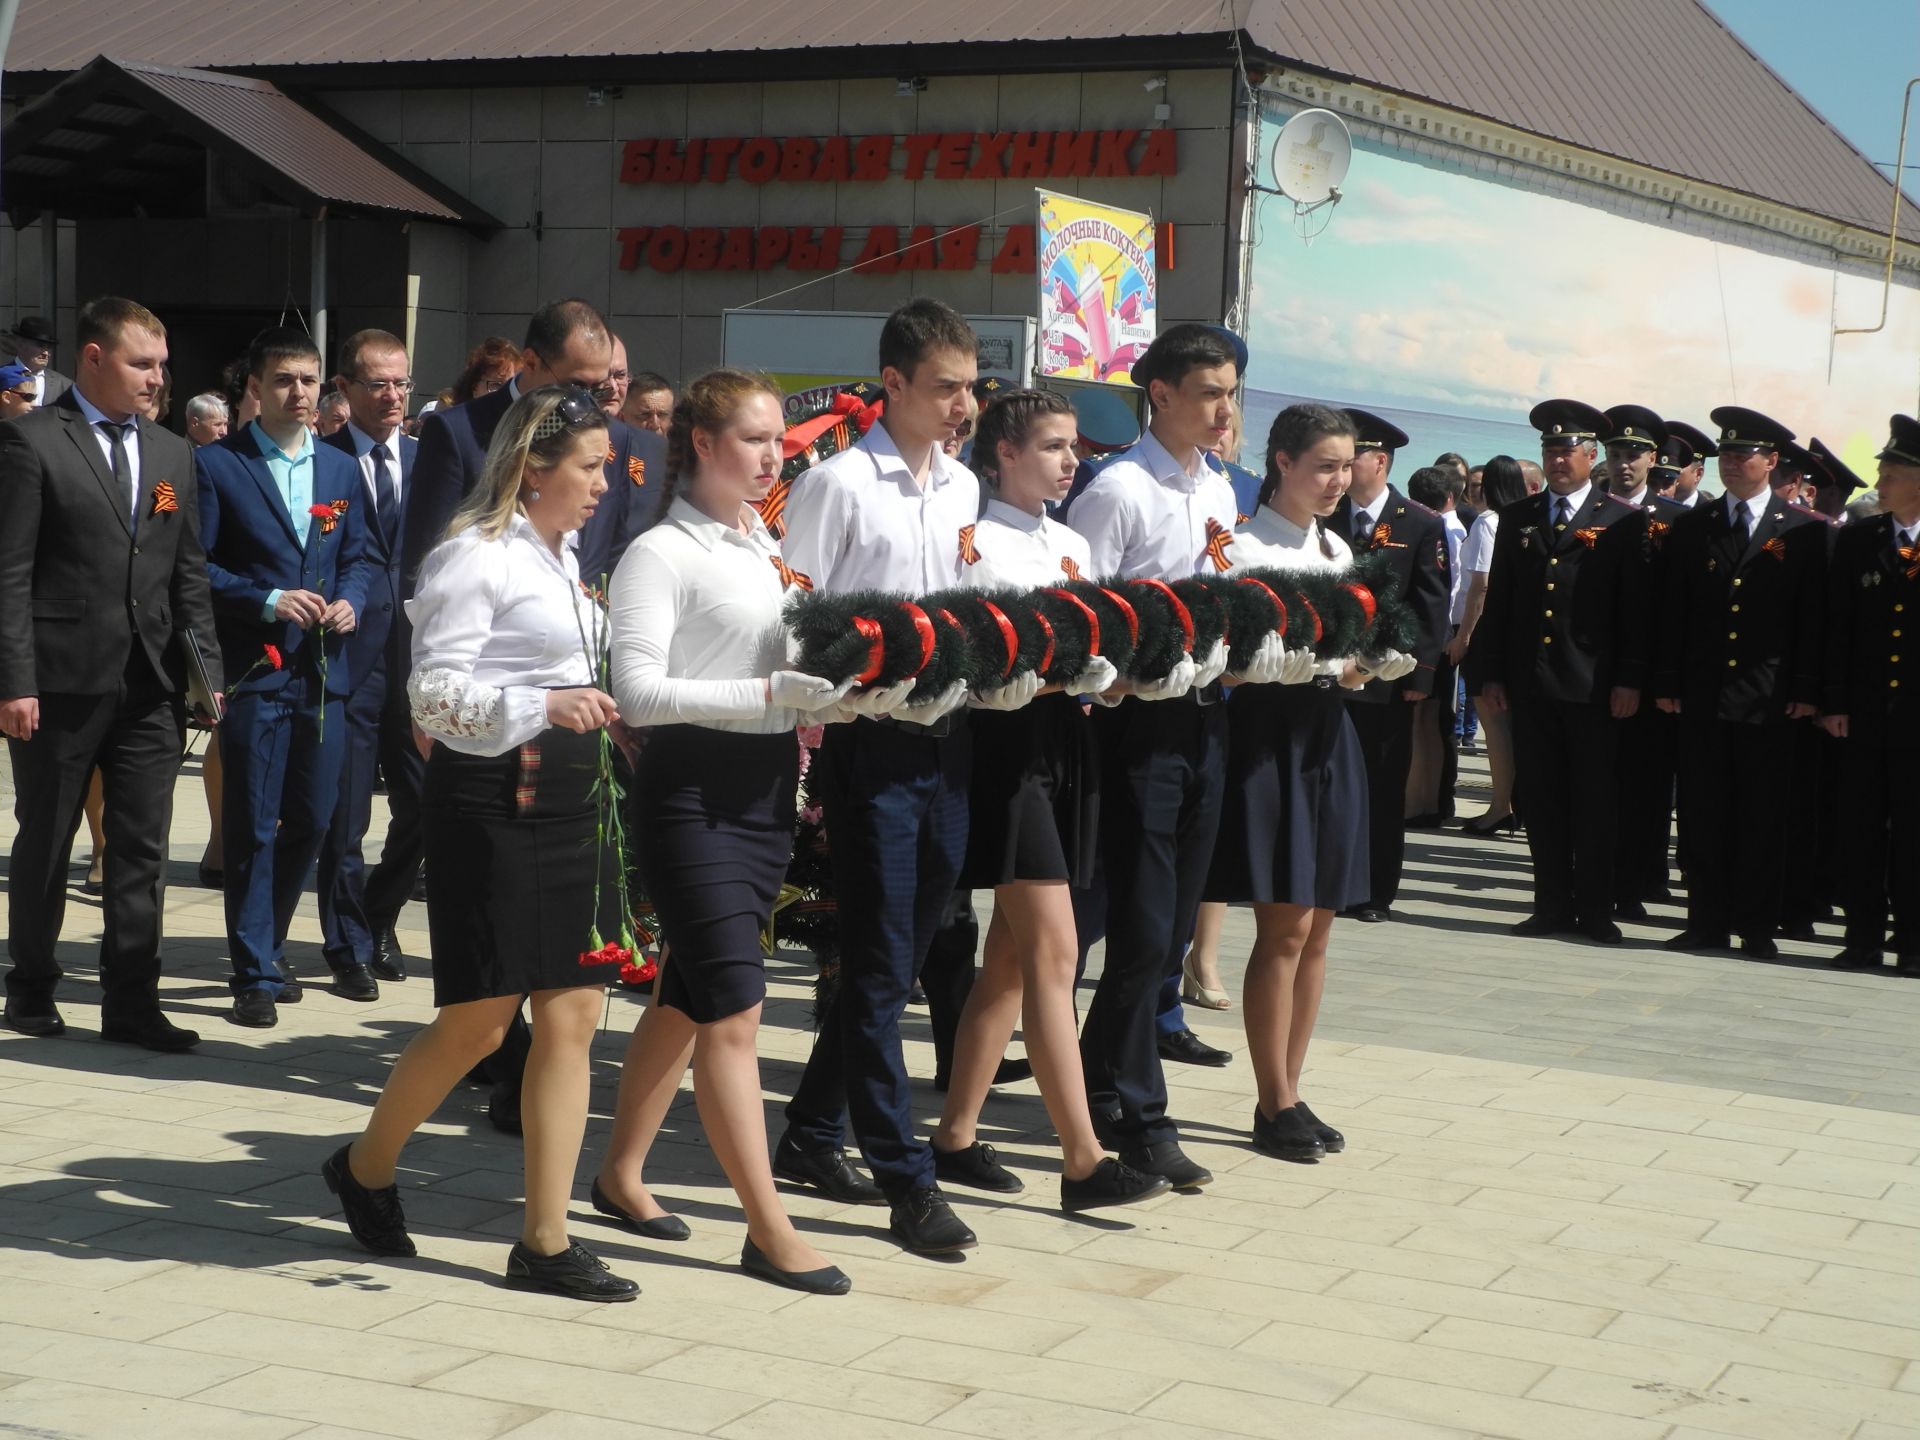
[(273, 656), (611, 953), (641, 974), (320, 512)]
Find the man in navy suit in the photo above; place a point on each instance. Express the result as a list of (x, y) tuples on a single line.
[(284, 521), (357, 908), (567, 343)]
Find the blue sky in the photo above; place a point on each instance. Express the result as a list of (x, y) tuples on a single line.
[(1850, 59)]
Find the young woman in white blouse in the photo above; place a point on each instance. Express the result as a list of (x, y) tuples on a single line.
[(504, 647), (699, 656), (1035, 827), (1502, 484), (1293, 833)]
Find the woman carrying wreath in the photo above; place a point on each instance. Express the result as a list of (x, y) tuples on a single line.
[(506, 645), (699, 657)]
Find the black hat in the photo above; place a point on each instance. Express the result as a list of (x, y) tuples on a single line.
[(32, 327), (1634, 425), (1567, 422), (1903, 443), (1744, 429), (1830, 471), (1684, 440), (1375, 433), (1798, 460)]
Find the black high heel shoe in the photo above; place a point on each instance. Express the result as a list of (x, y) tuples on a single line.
[(1508, 823)]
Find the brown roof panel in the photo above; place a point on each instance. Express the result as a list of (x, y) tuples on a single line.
[(1695, 102)]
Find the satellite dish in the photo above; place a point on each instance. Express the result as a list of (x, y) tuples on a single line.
[(1311, 155)]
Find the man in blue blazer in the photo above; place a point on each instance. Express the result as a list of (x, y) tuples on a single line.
[(358, 907), (284, 522)]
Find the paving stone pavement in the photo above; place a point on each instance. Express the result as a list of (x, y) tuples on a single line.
[(1605, 1193)]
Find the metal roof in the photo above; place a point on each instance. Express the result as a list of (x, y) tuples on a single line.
[(1681, 95), (120, 136)]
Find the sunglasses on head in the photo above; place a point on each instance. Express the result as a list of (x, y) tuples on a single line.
[(575, 408)]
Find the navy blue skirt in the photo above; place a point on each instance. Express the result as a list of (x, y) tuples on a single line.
[(1293, 829), (713, 811), (1035, 795)]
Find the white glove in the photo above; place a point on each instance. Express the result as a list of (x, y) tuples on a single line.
[(1178, 682), (871, 704), (1268, 664), (1300, 666), (1016, 693), (943, 704), (1213, 667), (794, 690), (1388, 665), (1098, 675)]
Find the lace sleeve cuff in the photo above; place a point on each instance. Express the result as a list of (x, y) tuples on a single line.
[(473, 717)]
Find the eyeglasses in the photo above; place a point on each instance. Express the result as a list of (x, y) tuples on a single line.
[(386, 387)]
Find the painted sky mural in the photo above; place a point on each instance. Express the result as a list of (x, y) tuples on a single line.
[(1443, 291)]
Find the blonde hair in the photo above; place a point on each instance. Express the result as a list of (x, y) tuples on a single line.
[(494, 502)]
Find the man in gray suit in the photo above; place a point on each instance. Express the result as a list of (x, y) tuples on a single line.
[(101, 579), (32, 343)]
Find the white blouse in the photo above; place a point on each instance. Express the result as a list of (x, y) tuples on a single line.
[(496, 624), (1268, 540), (696, 625), (1019, 551)]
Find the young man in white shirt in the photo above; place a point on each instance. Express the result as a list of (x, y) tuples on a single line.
[(1157, 511), (892, 513)]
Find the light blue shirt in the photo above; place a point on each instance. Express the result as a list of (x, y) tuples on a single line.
[(293, 477)]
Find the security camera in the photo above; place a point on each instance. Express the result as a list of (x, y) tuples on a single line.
[(1158, 82)]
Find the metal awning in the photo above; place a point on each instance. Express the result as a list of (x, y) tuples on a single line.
[(122, 138)]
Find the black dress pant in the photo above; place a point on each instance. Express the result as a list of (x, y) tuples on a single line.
[(1880, 817), (1649, 755), (1739, 783), (1564, 754), (947, 976), (1163, 773), (133, 735), (1446, 715), (389, 884), (358, 905), (1386, 742)]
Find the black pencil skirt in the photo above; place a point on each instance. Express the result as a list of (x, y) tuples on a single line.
[(1035, 795), (714, 819), (511, 846)]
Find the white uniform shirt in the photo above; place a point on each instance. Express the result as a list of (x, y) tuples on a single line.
[(1456, 542), (857, 521), (1268, 540), (696, 624), (496, 624), (1476, 553), (1024, 552), (129, 429), (1149, 516)]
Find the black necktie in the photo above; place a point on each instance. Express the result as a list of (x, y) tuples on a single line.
[(122, 466), (1740, 523), (386, 500), (1562, 511), (1362, 527)]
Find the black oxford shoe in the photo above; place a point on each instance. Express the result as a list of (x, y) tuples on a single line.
[(977, 1166), (1168, 1160), (1603, 932), (374, 1216), (41, 1021), (1112, 1183), (575, 1272), (926, 1224), (255, 1010), (150, 1032), (1540, 926), (828, 1171), (1760, 947), (1189, 1049), (1691, 939), (1331, 1138), (1858, 957), (355, 982), (388, 961)]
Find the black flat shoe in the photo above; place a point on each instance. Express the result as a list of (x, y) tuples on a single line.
[(1286, 1137), (660, 1227), (1541, 926), (828, 1171), (1691, 939), (1008, 1072), (154, 1032), (254, 1009), (1112, 1183), (1759, 947), (1189, 1049), (1370, 914), (43, 1022), (828, 1280), (1603, 932), (1630, 910), (1331, 1139), (374, 1216), (1858, 957), (355, 982), (926, 1224), (977, 1166), (575, 1272), (1170, 1162)]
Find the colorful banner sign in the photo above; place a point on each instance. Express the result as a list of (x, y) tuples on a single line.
[(1097, 289)]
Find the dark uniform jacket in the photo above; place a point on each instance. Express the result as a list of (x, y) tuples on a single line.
[(1566, 615), (1741, 622), (1873, 601), (1414, 540)]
